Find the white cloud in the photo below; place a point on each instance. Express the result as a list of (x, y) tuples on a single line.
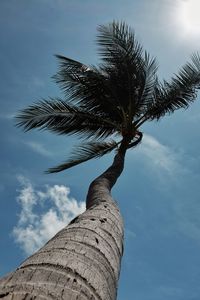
[(39, 148), (159, 157), (37, 225), (27, 199)]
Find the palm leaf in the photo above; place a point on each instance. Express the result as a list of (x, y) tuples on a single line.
[(58, 116), (89, 87), (84, 153), (117, 43), (131, 74), (179, 92), (150, 82)]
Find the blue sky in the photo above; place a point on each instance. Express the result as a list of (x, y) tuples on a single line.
[(158, 192)]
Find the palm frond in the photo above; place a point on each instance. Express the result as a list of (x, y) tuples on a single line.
[(121, 86), (89, 87), (150, 82), (179, 93), (84, 153), (116, 97), (58, 116), (117, 43), (131, 73), (71, 73)]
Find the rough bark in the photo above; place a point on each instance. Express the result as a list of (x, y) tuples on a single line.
[(82, 261)]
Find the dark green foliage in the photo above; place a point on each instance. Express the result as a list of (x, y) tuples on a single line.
[(63, 118), (85, 152), (112, 99), (179, 92)]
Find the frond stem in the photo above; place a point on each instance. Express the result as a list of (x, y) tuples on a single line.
[(141, 120)]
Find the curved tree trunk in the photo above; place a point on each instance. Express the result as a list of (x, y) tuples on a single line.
[(82, 261)]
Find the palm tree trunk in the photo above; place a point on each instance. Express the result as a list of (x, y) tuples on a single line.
[(82, 261)]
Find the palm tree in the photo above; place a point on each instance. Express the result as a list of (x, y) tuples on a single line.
[(106, 106)]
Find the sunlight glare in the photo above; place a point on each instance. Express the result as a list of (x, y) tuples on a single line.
[(189, 16)]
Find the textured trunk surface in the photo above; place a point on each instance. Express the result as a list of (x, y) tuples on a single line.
[(82, 261)]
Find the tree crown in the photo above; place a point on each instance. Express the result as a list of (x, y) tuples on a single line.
[(112, 100)]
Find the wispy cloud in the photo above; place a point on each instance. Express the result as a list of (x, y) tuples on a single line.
[(36, 225), (36, 82), (39, 148), (159, 157), (163, 160), (168, 291), (7, 116)]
